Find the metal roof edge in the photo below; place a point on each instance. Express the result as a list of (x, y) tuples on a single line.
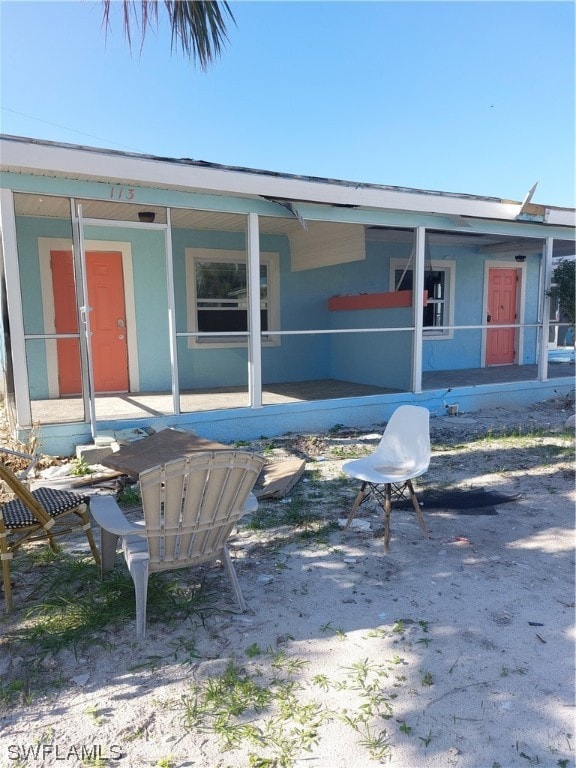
[(191, 162), (224, 179)]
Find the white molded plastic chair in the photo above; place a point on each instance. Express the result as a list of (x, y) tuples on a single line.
[(190, 507), (402, 454)]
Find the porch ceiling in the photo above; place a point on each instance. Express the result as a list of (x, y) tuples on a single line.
[(59, 207), (182, 218)]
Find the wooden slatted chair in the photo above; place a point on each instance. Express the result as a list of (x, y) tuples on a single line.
[(190, 506), (44, 513)]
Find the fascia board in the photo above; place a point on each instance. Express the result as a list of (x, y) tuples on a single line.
[(566, 217), (119, 169)]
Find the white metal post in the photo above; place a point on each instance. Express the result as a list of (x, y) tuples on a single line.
[(171, 315), (254, 324), (81, 302), (417, 293), (89, 395), (545, 283), (15, 310)]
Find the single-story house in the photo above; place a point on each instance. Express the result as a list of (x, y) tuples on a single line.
[(144, 291)]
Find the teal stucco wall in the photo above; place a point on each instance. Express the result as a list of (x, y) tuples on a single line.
[(382, 359)]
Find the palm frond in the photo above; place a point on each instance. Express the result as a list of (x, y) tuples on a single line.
[(198, 26)]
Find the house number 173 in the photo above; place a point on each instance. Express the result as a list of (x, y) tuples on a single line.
[(121, 193)]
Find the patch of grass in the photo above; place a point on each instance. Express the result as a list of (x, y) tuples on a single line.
[(376, 743), (322, 681), (298, 513), (38, 556), (399, 627), (345, 452), (77, 608), (426, 739), (166, 762), (354, 451), (427, 678), (338, 631), (295, 512), (262, 519), (281, 660), (129, 496), (253, 650), (94, 761), (185, 646), (16, 690), (94, 715), (270, 714), (79, 467), (265, 716)]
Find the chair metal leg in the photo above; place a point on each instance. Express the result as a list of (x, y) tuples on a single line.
[(417, 509), (359, 499)]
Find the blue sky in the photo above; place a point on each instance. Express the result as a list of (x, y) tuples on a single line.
[(473, 97)]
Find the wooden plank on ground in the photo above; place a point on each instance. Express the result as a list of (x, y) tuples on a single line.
[(163, 446), (278, 479)]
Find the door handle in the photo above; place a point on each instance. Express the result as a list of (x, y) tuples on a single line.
[(489, 319)]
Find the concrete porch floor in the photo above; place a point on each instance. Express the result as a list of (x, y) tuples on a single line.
[(146, 405)]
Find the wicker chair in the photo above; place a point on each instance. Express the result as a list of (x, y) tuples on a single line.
[(44, 513)]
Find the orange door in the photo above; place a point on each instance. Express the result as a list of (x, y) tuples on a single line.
[(66, 321), (107, 321), (501, 310)]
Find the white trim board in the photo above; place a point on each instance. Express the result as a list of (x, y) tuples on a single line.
[(47, 244)]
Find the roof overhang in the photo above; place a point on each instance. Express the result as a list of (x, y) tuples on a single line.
[(31, 156)]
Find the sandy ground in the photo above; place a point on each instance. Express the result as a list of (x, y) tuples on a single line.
[(452, 651)]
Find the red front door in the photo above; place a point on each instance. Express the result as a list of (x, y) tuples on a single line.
[(105, 281), (501, 310), (107, 320)]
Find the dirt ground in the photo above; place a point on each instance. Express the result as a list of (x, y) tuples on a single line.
[(457, 650)]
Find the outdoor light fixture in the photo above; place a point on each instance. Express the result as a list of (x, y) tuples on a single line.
[(146, 216), (520, 257)]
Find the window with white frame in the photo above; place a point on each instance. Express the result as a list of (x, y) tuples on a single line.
[(217, 296), (439, 284)]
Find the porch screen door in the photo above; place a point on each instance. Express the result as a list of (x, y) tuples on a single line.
[(66, 321)]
